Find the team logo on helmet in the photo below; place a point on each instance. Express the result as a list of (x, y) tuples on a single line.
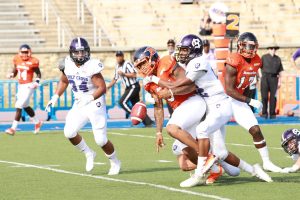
[(189, 47)]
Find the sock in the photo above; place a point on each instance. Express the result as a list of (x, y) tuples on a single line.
[(246, 167), (83, 147), (230, 169), (264, 154), (215, 168), (35, 120), (200, 164), (14, 125), (112, 157)]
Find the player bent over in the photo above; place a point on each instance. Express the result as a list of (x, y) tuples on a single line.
[(240, 71), (24, 67), (290, 142), (88, 86), (188, 107)]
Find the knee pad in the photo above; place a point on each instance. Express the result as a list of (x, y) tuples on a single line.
[(221, 154), (69, 132), (100, 137)]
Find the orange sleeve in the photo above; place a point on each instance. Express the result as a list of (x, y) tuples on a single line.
[(15, 60), (233, 60), (151, 87), (35, 62)]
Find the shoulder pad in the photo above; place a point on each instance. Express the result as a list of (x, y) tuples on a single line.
[(233, 59), (61, 64)]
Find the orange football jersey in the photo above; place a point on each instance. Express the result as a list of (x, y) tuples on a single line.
[(25, 68), (246, 72), (165, 69)]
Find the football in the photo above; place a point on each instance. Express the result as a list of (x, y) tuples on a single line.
[(138, 113)]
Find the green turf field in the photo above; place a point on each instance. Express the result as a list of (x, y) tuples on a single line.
[(46, 166)]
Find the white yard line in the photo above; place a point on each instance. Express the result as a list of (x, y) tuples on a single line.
[(166, 138), (163, 187)]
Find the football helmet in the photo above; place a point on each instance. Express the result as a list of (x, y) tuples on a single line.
[(189, 47), (25, 52), (247, 45), (146, 60), (289, 141), (79, 50)]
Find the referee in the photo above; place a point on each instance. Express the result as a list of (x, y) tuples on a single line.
[(127, 73)]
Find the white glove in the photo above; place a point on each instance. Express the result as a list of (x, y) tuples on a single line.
[(34, 85), (256, 104), (84, 100), (150, 79), (11, 75), (292, 169), (52, 102)]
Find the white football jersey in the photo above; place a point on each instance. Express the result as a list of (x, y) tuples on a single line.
[(208, 85), (80, 77)]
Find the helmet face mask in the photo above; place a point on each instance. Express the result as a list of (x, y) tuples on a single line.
[(146, 61), (188, 48), (25, 52), (289, 141), (79, 51), (247, 45)]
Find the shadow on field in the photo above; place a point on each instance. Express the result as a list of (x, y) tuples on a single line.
[(295, 178)]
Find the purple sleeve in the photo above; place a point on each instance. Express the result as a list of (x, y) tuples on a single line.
[(296, 54)]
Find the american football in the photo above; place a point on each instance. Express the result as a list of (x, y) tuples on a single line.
[(138, 113)]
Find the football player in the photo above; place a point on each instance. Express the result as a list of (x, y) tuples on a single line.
[(25, 66), (240, 71), (199, 72), (188, 107), (88, 86), (290, 142)]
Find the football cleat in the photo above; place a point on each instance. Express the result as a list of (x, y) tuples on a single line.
[(194, 180), (10, 131), (259, 173), (90, 157), (37, 127), (213, 176), (114, 168), (211, 159), (269, 166)]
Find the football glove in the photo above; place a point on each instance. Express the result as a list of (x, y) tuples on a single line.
[(84, 100), (52, 102), (150, 79), (256, 104)]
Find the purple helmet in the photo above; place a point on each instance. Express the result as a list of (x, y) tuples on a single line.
[(79, 50), (194, 46), (289, 141)]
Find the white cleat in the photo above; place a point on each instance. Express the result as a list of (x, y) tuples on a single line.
[(90, 157), (194, 180), (269, 166), (259, 173), (114, 168)]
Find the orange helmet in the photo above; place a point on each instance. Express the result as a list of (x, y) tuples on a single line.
[(247, 45), (146, 60), (25, 52)]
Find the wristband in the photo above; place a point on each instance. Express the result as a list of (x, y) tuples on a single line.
[(248, 100), (155, 79), (37, 80), (172, 96)]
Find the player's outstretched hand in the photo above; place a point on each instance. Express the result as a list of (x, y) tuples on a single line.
[(51, 103), (159, 141), (292, 169), (256, 104), (84, 100)]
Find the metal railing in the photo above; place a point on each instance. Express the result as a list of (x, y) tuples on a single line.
[(62, 28)]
